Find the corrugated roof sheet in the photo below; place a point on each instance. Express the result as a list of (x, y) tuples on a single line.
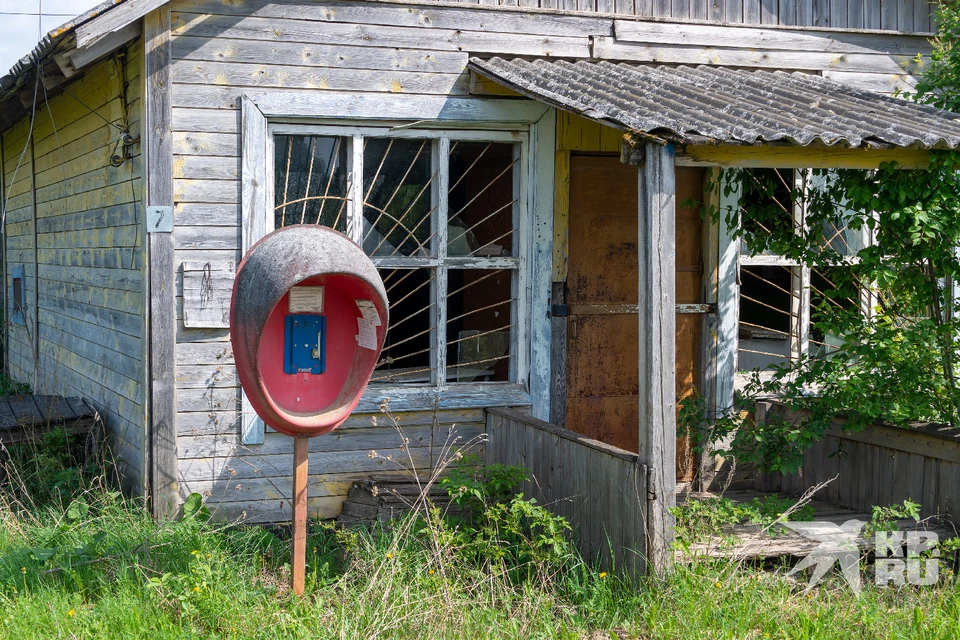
[(24, 67), (714, 105)]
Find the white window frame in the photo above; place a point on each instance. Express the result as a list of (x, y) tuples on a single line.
[(531, 124), (729, 376), (516, 264)]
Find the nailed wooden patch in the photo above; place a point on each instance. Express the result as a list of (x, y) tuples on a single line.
[(207, 287)]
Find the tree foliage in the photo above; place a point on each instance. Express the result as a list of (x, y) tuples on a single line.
[(889, 307)]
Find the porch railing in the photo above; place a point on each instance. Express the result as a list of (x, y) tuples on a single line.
[(601, 490)]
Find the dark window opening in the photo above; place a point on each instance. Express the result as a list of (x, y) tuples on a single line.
[(310, 184), (767, 204), (765, 316), (18, 304), (480, 318), (482, 199), (406, 355)]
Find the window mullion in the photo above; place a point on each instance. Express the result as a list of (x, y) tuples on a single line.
[(355, 202), (800, 294), (439, 205)]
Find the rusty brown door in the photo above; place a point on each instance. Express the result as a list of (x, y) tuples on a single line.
[(602, 285)]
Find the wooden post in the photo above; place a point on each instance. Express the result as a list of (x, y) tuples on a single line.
[(158, 176), (299, 555), (656, 248)]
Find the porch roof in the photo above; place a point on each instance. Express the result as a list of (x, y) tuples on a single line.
[(709, 105)]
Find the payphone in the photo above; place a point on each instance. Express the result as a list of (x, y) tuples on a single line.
[(308, 318)]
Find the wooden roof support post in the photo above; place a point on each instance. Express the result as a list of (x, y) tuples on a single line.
[(162, 430), (658, 421)]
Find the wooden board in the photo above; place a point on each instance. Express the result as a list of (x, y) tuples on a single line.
[(29, 418), (207, 288), (602, 392), (600, 489), (159, 178)]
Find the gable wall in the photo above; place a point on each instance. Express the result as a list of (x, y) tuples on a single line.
[(893, 15), (86, 239), (223, 50)]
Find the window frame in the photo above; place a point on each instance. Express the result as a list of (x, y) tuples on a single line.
[(731, 261), (440, 261), (418, 116), (18, 316)]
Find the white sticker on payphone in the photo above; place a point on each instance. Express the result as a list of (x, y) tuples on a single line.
[(306, 300), (369, 312), (366, 334)]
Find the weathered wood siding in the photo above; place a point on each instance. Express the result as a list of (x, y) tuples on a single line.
[(86, 239), (909, 16), (880, 466), (222, 50), (892, 15), (600, 490)]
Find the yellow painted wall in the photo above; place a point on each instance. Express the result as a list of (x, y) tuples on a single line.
[(88, 250)]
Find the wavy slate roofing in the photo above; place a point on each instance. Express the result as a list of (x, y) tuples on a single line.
[(719, 105), (24, 67)]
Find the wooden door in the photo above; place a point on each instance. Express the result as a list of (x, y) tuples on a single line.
[(602, 287)]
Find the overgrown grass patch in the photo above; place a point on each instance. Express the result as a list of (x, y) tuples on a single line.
[(89, 563)]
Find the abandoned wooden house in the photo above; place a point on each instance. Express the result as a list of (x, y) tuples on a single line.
[(516, 173)]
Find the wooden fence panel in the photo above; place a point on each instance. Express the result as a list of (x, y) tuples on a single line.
[(880, 465), (601, 490)]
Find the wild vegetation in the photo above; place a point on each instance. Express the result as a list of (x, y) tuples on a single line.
[(78, 560), (886, 313)]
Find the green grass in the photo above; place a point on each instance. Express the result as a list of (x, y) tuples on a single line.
[(87, 563)]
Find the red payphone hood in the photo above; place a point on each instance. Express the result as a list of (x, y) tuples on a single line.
[(281, 260)]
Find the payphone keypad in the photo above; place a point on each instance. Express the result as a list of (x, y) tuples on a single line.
[(304, 341)]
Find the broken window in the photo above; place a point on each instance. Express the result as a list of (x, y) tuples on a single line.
[(782, 300), (438, 212), (770, 329)]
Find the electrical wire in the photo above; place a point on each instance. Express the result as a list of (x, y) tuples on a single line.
[(41, 15)]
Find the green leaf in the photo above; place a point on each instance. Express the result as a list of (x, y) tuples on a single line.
[(77, 510), (42, 554), (193, 507)]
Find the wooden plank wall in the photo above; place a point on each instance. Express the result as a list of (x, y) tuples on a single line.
[(893, 15), (222, 50), (880, 466), (599, 489), (88, 249)]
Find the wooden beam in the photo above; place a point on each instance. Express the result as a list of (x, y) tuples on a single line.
[(656, 249), (787, 157), (254, 209), (7, 310), (543, 136), (707, 345), (728, 300), (607, 48), (483, 86), (752, 37), (32, 141), (85, 56), (558, 325), (561, 215), (63, 61), (298, 546), (158, 177), (114, 20)]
